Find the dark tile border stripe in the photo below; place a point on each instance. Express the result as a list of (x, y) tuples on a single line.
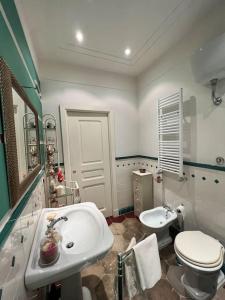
[(135, 156), (186, 163), (204, 166), (125, 210), (148, 157), (127, 157), (18, 210)]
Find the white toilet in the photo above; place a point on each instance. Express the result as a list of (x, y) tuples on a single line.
[(202, 257)]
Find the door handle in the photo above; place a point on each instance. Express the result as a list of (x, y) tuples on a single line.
[(74, 171)]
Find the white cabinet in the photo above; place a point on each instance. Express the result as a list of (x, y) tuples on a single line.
[(142, 189)]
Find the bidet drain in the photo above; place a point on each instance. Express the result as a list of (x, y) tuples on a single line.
[(69, 245)]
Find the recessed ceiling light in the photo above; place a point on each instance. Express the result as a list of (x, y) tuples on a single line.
[(127, 51), (79, 36)]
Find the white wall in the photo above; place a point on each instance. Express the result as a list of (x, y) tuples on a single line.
[(204, 126), (65, 85), (19, 111), (203, 122), (27, 33)]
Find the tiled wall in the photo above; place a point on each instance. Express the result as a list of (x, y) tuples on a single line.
[(124, 170), (18, 245), (202, 193), (203, 196)]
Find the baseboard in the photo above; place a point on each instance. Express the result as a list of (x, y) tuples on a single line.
[(116, 212), (126, 210)]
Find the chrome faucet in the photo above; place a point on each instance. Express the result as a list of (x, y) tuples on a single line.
[(53, 222), (168, 209)]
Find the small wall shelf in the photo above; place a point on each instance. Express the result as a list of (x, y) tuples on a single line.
[(52, 166)]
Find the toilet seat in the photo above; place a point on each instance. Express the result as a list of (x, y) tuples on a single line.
[(214, 265), (199, 250)]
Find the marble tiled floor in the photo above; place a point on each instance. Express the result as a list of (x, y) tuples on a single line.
[(99, 278)]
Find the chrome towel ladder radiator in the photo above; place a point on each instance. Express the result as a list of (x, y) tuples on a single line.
[(170, 131)]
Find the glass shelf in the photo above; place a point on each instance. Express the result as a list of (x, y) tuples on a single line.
[(68, 193), (30, 128)]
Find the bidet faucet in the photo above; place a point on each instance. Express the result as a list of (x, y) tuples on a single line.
[(54, 221), (168, 209)]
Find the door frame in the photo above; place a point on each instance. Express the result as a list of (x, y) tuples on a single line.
[(112, 154)]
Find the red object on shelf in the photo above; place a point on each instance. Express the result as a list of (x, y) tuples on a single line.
[(60, 175)]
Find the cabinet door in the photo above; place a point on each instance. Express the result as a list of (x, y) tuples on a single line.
[(137, 191), (138, 208)]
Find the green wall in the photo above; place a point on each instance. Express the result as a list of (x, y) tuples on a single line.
[(9, 21)]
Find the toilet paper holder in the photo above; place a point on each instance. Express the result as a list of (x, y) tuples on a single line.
[(180, 216)]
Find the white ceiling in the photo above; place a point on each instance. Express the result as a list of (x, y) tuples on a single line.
[(148, 27)]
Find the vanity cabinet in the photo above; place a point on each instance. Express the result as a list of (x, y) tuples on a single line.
[(143, 192)]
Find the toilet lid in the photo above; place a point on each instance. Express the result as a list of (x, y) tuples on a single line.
[(199, 248), (207, 266)]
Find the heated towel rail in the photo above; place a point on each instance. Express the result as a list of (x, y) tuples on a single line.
[(170, 130)]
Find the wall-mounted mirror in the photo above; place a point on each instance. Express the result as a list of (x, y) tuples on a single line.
[(20, 124)]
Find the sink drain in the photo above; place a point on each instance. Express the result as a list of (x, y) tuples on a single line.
[(69, 245)]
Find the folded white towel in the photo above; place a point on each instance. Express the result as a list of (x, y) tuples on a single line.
[(131, 244), (148, 262)]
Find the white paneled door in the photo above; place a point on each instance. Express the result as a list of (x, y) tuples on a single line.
[(89, 157)]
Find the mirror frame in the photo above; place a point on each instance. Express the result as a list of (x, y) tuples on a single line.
[(7, 83)]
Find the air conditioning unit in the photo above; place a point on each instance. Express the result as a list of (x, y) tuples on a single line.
[(208, 62)]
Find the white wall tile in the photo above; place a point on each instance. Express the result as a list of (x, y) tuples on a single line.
[(19, 245), (5, 261), (204, 200)]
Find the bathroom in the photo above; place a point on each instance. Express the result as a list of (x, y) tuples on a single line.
[(80, 88)]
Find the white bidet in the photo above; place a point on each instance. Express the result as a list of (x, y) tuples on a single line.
[(159, 219)]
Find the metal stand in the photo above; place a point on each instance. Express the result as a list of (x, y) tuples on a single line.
[(121, 259)]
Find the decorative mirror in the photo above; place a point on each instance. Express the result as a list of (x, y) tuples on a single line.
[(21, 135)]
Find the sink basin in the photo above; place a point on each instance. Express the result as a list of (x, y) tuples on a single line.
[(86, 228), (85, 238)]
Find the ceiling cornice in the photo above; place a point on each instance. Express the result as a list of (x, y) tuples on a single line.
[(151, 41)]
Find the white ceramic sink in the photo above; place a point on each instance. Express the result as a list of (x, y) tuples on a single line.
[(86, 227), (158, 217)]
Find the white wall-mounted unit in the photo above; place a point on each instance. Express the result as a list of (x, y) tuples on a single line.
[(170, 129), (208, 62)]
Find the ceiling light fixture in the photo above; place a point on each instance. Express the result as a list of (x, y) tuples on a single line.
[(127, 51), (79, 36)]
